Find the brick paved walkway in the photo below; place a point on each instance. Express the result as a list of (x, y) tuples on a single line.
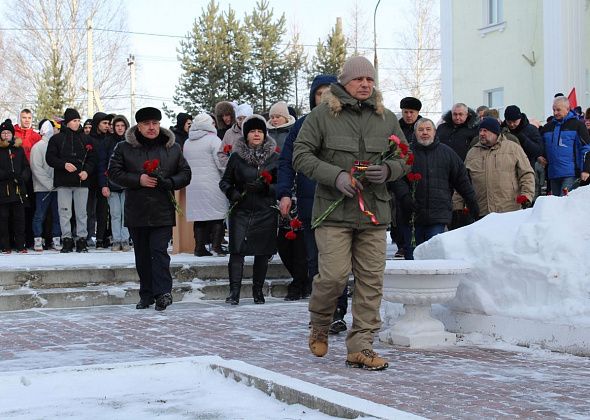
[(458, 382)]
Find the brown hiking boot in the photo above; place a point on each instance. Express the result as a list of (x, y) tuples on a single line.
[(366, 359), (318, 340)]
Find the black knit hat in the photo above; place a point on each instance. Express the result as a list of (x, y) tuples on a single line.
[(88, 122), (410, 102), (148, 113), (490, 124), (512, 113), (7, 125), (253, 122), (70, 114)]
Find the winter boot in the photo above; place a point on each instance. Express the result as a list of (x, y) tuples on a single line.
[(144, 303), (366, 359), (201, 236), (338, 324), (235, 268), (258, 277), (163, 301), (67, 245), (318, 341), (56, 243), (81, 245), (217, 235)]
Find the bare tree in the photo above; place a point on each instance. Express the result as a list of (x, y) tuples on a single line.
[(40, 27), (358, 31), (418, 64)]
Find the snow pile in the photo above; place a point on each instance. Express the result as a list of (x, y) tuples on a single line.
[(530, 264)]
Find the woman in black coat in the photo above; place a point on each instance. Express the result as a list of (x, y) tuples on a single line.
[(249, 183)]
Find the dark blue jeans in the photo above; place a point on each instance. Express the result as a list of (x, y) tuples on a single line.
[(422, 234), (45, 201), (558, 184), (311, 250)]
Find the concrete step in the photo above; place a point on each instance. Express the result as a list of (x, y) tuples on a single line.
[(67, 287)]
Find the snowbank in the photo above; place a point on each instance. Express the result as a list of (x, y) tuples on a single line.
[(530, 264)]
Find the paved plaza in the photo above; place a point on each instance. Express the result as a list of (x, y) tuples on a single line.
[(462, 381)]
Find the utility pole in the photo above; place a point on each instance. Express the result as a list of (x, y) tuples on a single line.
[(90, 67), (375, 62), (131, 64)]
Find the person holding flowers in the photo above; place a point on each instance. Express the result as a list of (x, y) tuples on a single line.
[(149, 164), (249, 184), (425, 193), (351, 204)]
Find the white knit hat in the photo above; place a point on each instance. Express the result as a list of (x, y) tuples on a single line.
[(280, 108), (203, 122), (355, 67), (244, 110)]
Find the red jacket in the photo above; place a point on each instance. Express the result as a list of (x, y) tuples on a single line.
[(29, 138)]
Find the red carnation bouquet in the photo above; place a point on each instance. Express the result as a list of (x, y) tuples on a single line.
[(294, 224), (152, 168), (395, 149), (264, 176), (227, 149)]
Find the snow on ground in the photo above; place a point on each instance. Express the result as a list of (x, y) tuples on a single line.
[(529, 264), (168, 390)]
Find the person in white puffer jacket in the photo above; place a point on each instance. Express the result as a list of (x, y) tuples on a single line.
[(45, 194), (206, 205)]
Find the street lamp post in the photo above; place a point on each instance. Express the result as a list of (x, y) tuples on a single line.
[(375, 61)]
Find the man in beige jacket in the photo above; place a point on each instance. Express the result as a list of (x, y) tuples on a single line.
[(500, 171)]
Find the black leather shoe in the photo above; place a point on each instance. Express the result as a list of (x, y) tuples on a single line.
[(163, 301), (144, 304), (258, 298)]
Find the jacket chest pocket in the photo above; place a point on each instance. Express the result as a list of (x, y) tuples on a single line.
[(376, 144), (341, 151)]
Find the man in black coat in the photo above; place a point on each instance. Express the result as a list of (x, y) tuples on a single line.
[(150, 165), (459, 127), (71, 154), (427, 203), (180, 130)]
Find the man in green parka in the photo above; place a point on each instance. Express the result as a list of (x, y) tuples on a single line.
[(351, 124)]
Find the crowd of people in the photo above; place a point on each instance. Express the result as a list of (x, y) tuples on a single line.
[(321, 190)]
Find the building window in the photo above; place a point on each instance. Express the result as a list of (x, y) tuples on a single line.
[(494, 98), (493, 16), (493, 12)]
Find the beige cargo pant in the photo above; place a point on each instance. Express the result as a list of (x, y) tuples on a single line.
[(340, 251)]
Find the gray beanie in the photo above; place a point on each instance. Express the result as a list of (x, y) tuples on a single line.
[(354, 67)]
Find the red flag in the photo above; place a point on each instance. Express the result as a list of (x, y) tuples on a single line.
[(572, 98)]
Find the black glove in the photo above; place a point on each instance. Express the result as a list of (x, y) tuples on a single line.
[(473, 210), (164, 183), (257, 186), (234, 196), (527, 204), (408, 204)]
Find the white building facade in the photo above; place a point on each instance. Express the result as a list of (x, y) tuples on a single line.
[(502, 52)]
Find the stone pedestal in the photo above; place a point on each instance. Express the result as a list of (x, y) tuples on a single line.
[(418, 284)]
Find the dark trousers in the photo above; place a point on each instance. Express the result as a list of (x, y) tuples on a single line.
[(46, 202), (29, 213), (97, 214), (17, 223), (311, 249), (422, 233), (152, 261), (294, 258)]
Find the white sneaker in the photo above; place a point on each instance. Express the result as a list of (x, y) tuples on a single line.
[(57, 243), (38, 244)]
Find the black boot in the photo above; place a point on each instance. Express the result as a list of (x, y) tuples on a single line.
[(201, 236), (217, 235), (67, 245), (338, 324), (258, 277), (81, 245), (235, 268), (144, 303), (163, 301)]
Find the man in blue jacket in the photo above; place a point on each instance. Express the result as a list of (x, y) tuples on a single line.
[(566, 145)]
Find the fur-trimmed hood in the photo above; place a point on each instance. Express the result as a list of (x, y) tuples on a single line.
[(17, 142), (471, 122), (337, 98), (221, 109), (241, 148), (131, 138)]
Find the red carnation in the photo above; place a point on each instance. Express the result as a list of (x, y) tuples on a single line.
[(521, 199), (295, 223), (394, 139), (150, 166), (414, 177), (227, 149), (290, 235), (417, 177), (88, 147), (404, 148), (565, 191), (465, 210), (278, 149), (410, 159), (266, 176)]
